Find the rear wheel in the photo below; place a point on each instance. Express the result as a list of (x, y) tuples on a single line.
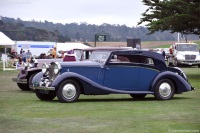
[(45, 95), (68, 91), (164, 90), (138, 96)]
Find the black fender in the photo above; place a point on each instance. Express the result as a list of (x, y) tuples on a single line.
[(25, 74), (180, 83), (33, 70)]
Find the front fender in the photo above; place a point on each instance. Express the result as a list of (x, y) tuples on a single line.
[(89, 87), (180, 83), (37, 78), (65, 76)]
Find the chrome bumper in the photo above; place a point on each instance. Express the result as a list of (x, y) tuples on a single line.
[(190, 63), (22, 81), (42, 88)]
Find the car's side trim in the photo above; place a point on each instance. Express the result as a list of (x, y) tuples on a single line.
[(134, 65)]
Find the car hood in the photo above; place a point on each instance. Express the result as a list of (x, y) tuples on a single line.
[(81, 64)]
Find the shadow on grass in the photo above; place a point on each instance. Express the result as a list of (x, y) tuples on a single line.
[(151, 99), (128, 99), (115, 99), (23, 91)]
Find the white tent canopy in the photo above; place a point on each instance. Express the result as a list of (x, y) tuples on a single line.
[(5, 41), (70, 46)]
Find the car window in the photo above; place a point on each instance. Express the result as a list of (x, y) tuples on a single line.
[(131, 59), (99, 56)]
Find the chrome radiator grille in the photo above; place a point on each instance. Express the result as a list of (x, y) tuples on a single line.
[(51, 71), (190, 57)]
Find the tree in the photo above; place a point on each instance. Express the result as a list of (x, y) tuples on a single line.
[(173, 15)]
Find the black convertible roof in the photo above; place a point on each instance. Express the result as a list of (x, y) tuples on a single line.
[(141, 52)]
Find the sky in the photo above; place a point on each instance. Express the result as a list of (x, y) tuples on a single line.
[(122, 12)]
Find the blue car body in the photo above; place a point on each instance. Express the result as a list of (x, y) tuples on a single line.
[(138, 74)]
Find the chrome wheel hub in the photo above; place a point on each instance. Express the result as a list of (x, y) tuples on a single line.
[(165, 89), (69, 91)]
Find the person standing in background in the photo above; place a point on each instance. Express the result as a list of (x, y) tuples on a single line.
[(163, 52), (21, 51), (23, 55), (28, 56), (54, 53), (12, 56)]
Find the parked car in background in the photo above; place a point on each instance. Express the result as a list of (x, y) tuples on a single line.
[(184, 54), (133, 72), (28, 70)]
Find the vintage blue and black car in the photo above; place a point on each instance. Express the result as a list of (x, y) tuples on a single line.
[(29, 70), (133, 72)]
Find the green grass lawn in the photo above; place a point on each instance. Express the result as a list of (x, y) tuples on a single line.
[(23, 112)]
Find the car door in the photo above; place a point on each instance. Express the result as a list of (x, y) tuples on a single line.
[(121, 75), (147, 72)]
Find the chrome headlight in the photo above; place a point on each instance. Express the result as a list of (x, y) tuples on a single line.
[(45, 68), (198, 57), (24, 65), (180, 57), (57, 68), (29, 65)]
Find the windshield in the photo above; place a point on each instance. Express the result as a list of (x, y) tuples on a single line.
[(78, 54), (187, 47), (99, 56)]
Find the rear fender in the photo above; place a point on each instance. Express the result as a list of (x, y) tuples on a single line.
[(180, 83)]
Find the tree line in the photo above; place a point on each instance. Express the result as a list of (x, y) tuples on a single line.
[(18, 29)]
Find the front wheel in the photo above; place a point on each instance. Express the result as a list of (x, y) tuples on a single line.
[(164, 90), (45, 95), (23, 87), (68, 91)]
